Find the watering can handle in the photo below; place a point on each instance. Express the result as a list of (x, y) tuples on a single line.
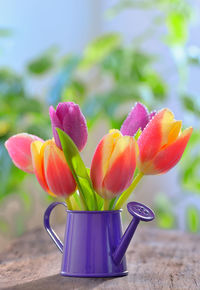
[(48, 228)]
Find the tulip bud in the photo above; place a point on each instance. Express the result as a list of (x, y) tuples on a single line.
[(113, 164), (51, 169), (137, 119), (69, 118), (161, 144)]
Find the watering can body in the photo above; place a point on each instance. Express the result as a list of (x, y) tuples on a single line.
[(91, 243)]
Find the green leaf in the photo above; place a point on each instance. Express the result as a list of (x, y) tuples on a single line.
[(75, 201), (11, 85), (193, 219), (75, 92), (43, 63), (164, 211), (99, 49), (137, 134), (191, 103), (190, 164), (100, 201), (125, 195), (177, 28), (166, 220), (78, 170)]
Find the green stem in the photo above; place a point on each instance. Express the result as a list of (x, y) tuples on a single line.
[(69, 204), (77, 199), (125, 195), (111, 203), (95, 201), (82, 201), (106, 204), (74, 203)]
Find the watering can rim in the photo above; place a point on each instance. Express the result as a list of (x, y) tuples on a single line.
[(94, 211)]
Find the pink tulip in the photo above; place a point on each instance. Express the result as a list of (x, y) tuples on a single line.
[(138, 118), (19, 149), (69, 118)]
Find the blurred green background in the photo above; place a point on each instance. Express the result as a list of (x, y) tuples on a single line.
[(104, 57)]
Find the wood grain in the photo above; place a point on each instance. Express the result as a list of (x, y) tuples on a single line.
[(156, 259)]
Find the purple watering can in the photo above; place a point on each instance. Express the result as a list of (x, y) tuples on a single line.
[(94, 245)]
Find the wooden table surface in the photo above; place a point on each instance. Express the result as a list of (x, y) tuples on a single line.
[(156, 259)]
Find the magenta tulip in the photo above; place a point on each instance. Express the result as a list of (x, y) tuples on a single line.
[(69, 118), (137, 119)]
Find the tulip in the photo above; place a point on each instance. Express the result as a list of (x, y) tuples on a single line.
[(19, 149), (137, 119), (161, 144), (51, 169), (69, 118), (113, 164)]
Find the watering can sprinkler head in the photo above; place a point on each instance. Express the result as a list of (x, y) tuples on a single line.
[(140, 212)]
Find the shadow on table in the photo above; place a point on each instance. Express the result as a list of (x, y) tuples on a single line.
[(57, 282)]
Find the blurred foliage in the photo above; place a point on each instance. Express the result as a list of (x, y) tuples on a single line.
[(181, 211), (193, 219), (5, 32), (108, 78), (44, 63), (190, 165), (131, 78), (96, 51), (64, 80), (164, 212), (19, 112)]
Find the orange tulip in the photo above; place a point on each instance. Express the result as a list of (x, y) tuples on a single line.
[(161, 144), (51, 168), (113, 164)]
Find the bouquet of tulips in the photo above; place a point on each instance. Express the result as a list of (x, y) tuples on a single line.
[(147, 144)]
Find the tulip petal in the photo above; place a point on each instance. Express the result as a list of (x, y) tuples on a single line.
[(101, 158), (155, 135), (137, 118), (174, 132), (121, 167), (69, 118), (109, 143), (19, 149), (63, 109), (169, 156), (167, 123), (74, 124), (96, 172), (151, 115), (57, 173), (55, 122), (37, 151)]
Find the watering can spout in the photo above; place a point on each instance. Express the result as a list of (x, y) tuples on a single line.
[(139, 212)]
